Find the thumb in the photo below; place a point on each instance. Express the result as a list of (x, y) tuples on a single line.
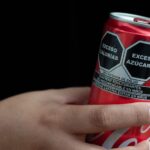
[(141, 146)]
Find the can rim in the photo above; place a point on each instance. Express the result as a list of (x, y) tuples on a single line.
[(131, 18)]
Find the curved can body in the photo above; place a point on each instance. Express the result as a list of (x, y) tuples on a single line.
[(122, 74)]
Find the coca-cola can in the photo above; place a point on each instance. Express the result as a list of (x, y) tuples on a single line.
[(122, 74)]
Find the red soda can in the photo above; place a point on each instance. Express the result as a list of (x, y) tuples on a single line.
[(122, 74)]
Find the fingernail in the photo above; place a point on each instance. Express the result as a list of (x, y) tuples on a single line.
[(149, 112), (148, 143)]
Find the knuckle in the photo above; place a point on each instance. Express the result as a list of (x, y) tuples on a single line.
[(50, 117), (100, 118), (140, 113)]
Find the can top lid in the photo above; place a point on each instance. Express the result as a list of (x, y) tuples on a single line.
[(131, 18)]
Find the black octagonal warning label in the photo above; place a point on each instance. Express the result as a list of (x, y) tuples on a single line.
[(111, 51), (137, 60)]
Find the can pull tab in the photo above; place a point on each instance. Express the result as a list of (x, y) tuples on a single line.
[(141, 20)]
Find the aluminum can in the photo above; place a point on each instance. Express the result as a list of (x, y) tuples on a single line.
[(122, 74)]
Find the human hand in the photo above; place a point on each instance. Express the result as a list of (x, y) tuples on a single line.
[(59, 119)]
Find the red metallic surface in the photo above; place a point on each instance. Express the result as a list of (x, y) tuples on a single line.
[(128, 34)]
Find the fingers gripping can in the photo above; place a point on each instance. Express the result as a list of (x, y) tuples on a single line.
[(122, 74)]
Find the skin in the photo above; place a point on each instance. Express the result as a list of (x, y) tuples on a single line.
[(60, 119)]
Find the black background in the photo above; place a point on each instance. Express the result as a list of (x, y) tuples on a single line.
[(36, 50)]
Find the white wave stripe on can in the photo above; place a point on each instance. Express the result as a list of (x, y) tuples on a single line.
[(114, 137)]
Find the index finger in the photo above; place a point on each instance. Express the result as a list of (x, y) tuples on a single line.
[(98, 118)]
